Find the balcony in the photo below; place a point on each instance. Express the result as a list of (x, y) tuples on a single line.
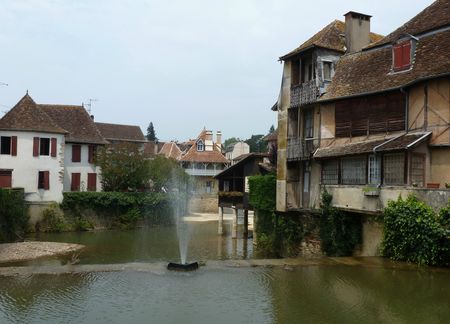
[(304, 93), (299, 149), (202, 172)]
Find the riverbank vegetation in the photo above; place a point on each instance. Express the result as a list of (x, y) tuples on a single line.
[(276, 235), (414, 232), (13, 218)]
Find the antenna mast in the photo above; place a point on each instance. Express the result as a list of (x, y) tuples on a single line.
[(89, 104)]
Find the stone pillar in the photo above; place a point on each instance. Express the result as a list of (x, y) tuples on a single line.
[(245, 223), (235, 224), (220, 229)]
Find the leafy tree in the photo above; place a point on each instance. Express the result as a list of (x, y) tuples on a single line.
[(123, 167), (151, 134), (167, 174), (230, 141), (257, 144)]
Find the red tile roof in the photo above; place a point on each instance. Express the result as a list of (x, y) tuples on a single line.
[(171, 150), (329, 37), (26, 115), (214, 156), (119, 132)]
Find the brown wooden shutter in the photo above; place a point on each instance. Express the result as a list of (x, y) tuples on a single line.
[(91, 154), (406, 55), (398, 53), (92, 182), (76, 153), (5, 179), (13, 145), (53, 147), (47, 180), (75, 185), (35, 146)]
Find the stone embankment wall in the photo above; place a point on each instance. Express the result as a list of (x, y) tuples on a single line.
[(204, 203)]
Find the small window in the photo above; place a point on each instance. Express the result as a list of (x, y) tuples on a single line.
[(401, 54), (44, 180), (353, 170), (417, 169), (308, 123), (394, 169), (5, 178), (327, 70), (374, 170), (76, 153), (92, 182), (75, 183), (44, 146), (200, 146), (5, 145), (330, 172), (226, 185), (208, 186)]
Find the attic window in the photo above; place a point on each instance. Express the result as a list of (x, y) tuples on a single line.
[(327, 70), (401, 55), (200, 146)]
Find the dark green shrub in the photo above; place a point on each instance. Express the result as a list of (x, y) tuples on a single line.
[(444, 241), (53, 220), (13, 217), (340, 232), (411, 232)]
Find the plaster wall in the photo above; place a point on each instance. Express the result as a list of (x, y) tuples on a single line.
[(25, 167), (83, 167)]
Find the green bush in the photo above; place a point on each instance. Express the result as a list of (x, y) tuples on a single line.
[(412, 232), (340, 232), (53, 220), (13, 218), (262, 194)]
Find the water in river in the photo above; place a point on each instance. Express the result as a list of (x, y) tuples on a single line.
[(321, 292)]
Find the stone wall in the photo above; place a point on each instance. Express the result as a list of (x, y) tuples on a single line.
[(206, 203)]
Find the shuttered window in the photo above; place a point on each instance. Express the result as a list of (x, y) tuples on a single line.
[(44, 146), (353, 170), (401, 54), (5, 178), (35, 146), (44, 180), (330, 172), (75, 182), (53, 147), (76, 153), (394, 169), (91, 153), (92, 182), (5, 145)]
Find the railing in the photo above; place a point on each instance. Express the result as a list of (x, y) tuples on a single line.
[(300, 149), (202, 172), (304, 93)]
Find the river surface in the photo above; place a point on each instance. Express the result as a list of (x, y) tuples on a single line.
[(319, 292)]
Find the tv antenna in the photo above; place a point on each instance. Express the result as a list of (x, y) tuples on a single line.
[(89, 104), (4, 84)]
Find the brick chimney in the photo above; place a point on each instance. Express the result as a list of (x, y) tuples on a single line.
[(357, 31)]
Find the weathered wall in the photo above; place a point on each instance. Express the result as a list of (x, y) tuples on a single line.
[(372, 235), (440, 165), (203, 203)]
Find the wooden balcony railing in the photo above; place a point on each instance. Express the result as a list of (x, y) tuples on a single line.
[(304, 93), (300, 149)]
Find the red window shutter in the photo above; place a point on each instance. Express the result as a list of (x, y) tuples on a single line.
[(398, 53), (75, 185), (53, 147), (92, 182), (47, 180), (13, 145), (91, 154), (36, 146), (406, 55), (5, 179), (76, 153)]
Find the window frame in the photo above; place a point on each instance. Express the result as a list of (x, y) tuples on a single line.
[(2, 145), (44, 146), (388, 175), (200, 146), (362, 171), (401, 55), (76, 158), (44, 180)]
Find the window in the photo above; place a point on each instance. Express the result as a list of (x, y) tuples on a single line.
[(353, 170), (330, 172), (44, 180), (76, 153), (401, 54), (92, 182), (226, 185), (295, 72), (417, 169), (5, 145), (91, 154), (200, 146), (5, 178), (394, 169), (327, 70), (44, 146), (75, 183), (308, 124), (208, 186), (374, 170)]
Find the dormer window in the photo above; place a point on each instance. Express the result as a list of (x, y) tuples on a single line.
[(401, 55), (200, 146)]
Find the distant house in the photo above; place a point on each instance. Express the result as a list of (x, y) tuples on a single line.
[(234, 150), (118, 133), (152, 149)]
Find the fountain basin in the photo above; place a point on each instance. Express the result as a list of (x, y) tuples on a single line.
[(182, 266)]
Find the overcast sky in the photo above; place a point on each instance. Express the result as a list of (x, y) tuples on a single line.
[(183, 65)]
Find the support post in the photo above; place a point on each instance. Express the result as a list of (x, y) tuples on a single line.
[(220, 229), (245, 223), (235, 223)]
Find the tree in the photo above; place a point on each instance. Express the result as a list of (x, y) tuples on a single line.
[(257, 144), (230, 141), (123, 166), (167, 174), (151, 134), (272, 129)]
